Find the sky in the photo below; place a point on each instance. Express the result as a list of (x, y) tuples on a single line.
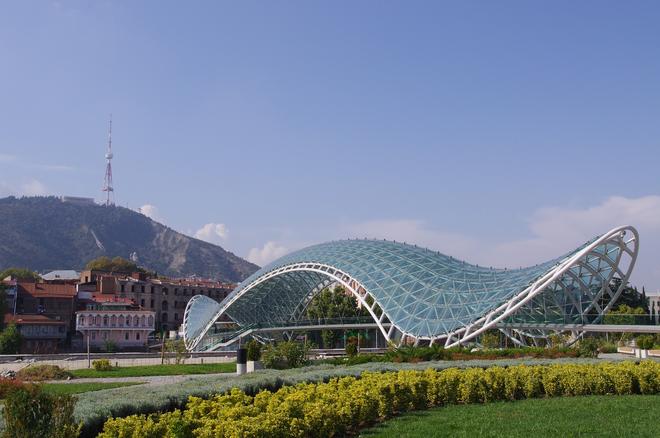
[(504, 133)]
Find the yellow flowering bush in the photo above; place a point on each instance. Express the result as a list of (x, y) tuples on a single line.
[(344, 405)]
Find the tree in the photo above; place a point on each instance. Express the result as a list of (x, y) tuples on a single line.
[(10, 340), (20, 274), (3, 305), (630, 296), (117, 264), (624, 314)]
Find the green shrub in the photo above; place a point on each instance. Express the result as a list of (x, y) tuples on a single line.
[(490, 339), (588, 347), (343, 405), (38, 373), (351, 349), (102, 365), (10, 340), (288, 354), (32, 413), (253, 350), (645, 342)]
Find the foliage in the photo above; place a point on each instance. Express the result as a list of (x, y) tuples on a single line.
[(110, 346), (102, 365), (77, 388), (629, 297), (602, 416), (10, 340), (289, 354), (20, 274), (335, 303), (253, 350), (116, 264), (329, 338), (351, 349), (9, 385), (343, 405), (645, 342), (166, 396), (3, 304), (37, 373), (624, 314), (178, 348), (588, 347), (490, 339), (30, 412), (158, 370)]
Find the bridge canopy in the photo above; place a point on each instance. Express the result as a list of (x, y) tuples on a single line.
[(414, 293)]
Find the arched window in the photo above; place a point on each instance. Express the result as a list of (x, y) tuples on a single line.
[(151, 321), (98, 319), (81, 320), (113, 321), (164, 291), (121, 320), (136, 320), (164, 305), (143, 321), (163, 317), (105, 320)]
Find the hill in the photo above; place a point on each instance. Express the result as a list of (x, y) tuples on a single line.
[(44, 233)]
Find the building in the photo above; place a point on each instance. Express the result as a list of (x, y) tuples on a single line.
[(54, 301), (110, 320), (415, 295), (167, 298), (654, 305), (41, 334), (61, 276)]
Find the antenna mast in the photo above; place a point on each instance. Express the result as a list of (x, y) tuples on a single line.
[(107, 184)]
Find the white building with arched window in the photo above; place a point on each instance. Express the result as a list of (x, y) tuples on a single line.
[(114, 321)]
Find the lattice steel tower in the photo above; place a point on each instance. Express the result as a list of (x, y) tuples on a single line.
[(107, 184)]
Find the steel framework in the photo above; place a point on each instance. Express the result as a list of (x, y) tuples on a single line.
[(416, 295)]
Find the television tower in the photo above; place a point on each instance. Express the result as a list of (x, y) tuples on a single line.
[(107, 184)]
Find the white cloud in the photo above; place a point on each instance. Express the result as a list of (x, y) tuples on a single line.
[(212, 232), (33, 188), (151, 211), (266, 254), (30, 187)]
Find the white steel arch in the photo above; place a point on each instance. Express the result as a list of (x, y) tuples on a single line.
[(195, 325)]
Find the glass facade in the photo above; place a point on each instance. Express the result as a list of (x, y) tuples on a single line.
[(422, 293)]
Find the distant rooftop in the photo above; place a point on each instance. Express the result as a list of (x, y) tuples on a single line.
[(65, 274)]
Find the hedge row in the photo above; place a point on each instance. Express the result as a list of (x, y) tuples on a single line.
[(346, 404)]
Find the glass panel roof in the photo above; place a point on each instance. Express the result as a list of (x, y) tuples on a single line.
[(406, 281)]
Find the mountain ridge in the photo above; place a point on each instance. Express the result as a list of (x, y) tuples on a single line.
[(42, 233)]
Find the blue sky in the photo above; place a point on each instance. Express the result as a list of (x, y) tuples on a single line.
[(501, 132)]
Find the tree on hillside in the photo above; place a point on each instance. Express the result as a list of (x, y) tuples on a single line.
[(116, 264), (19, 273)]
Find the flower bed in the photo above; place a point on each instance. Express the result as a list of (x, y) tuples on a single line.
[(344, 405)]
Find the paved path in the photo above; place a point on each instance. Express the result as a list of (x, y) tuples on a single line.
[(122, 362), (147, 380)]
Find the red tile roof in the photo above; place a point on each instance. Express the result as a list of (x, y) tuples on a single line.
[(30, 319), (45, 290)]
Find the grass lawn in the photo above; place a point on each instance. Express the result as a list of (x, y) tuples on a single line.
[(158, 370), (612, 416), (77, 388)]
